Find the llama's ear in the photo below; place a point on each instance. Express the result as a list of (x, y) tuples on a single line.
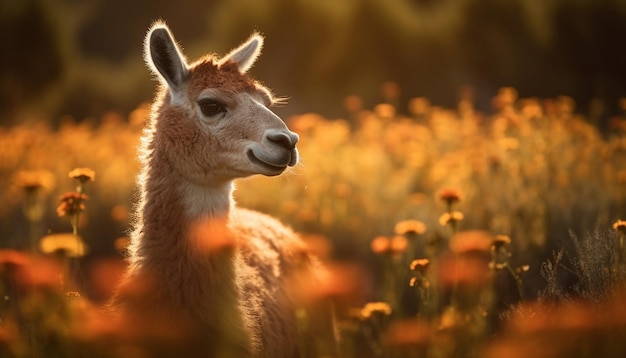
[(164, 57), (246, 54)]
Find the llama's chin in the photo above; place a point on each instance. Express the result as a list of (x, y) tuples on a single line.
[(265, 166)]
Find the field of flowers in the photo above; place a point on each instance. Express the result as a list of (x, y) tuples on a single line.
[(449, 232)]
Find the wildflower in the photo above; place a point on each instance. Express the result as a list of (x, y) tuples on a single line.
[(410, 227), (500, 240), (471, 241), (419, 106), (353, 103), (30, 273), (398, 244), (452, 318), (35, 180), (506, 97), (450, 218), (71, 203), (372, 308), (419, 264), (35, 185), (449, 196), (464, 271), (343, 283), (419, 282), (380, 245), (82, 174), (620, 226), (69, 244), (385, 110), (499, 252)]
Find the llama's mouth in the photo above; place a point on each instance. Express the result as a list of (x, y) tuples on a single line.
[(272, 168)]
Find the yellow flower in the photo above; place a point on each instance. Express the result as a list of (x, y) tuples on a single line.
[(407, 227), (419, 264), (500, 240), (34, 180), (620, 226), (69, 244), (372, 308), (419, 282), (385, 110), (452, 217), (82, 174)]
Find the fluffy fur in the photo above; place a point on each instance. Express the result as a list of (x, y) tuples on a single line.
[(206, 278)]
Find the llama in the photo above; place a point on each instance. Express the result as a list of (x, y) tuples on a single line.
[(202, 272)]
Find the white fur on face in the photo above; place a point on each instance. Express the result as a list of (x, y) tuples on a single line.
[(246, 139)]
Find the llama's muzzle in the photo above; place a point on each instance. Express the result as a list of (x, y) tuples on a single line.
[(276, 151)]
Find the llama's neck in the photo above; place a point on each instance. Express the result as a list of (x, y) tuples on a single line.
[(183, 248), (170, 207)]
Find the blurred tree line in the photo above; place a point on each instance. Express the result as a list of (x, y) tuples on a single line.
[(84, 58)]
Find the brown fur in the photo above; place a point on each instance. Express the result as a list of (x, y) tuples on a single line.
[(206, 278)]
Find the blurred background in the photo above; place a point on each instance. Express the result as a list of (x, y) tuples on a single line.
[(84, 58), (519, 105), (517, 108)]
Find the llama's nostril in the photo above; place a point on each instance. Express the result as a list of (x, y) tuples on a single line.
[(285, 139)]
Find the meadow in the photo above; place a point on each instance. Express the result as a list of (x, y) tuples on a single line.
[(448, 232)]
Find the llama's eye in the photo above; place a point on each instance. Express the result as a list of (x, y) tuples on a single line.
[(211, 107)]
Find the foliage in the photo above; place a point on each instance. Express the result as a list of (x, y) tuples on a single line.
[(437, 228)]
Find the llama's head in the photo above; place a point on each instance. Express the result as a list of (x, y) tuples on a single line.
[(214, 121)]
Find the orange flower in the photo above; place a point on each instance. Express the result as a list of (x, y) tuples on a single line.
[(30, 273), (82, 174), (419, 264), (399, 244), (34, 180), (380, 245), (464, 271), (471, 241), (450, 218), (620, 226), (500, 240), (372, 308), (407, 227), (72, 203), (345, 284), (449, 196)]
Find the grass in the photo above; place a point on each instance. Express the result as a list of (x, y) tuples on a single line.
[(448, 232)]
